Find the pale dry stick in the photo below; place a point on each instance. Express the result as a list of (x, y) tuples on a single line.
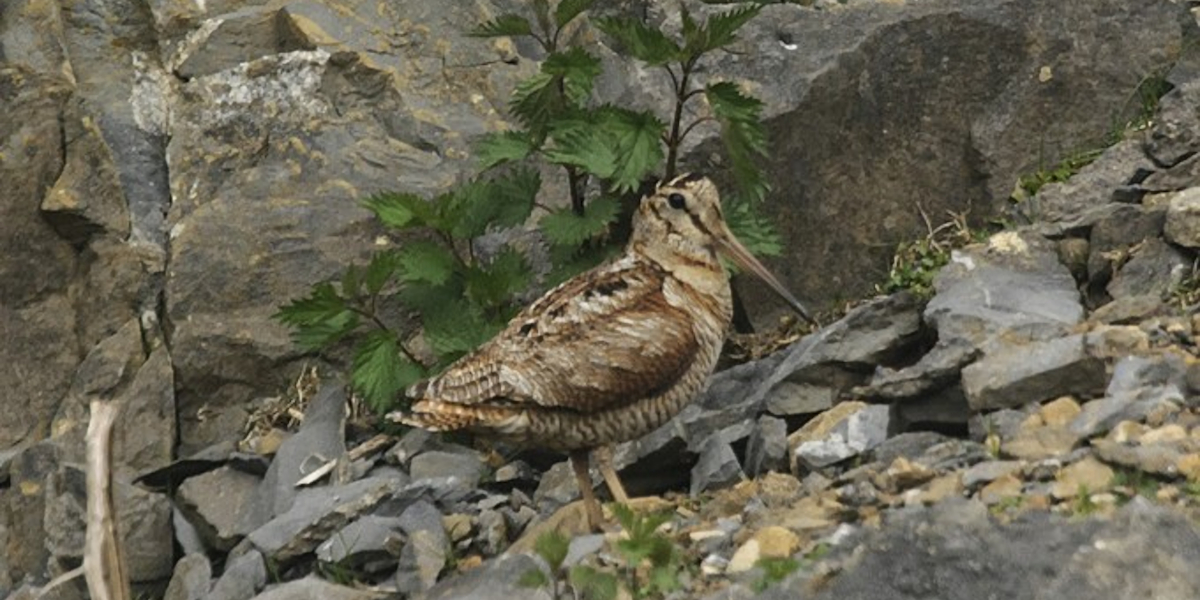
[(103, 561)]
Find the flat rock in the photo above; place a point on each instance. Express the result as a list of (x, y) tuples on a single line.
[(497, 579), (369, 544), (424, 556), (321, 438), (1018, 374), (1155, 267), (1035, 443), (191, 579), (847, 430), (244, 577), (316, 514), (1138, 387), (988, 471), (717, 468), (1183, 218), (1138, 552), (767, 447), (936, 369), (315, 588), (220, 503), (468, 466), (1085, 476), (1126, 226), (1012, 285), (1160, 459)]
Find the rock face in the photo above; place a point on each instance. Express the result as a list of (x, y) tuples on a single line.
[(174, 171)]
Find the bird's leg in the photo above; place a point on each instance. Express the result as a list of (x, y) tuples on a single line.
[(579, 462), (603, 456)]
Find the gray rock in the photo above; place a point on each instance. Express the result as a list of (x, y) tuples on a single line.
[(322, 437), (583, 546), (516, 473), (717, 467), (1155, 268), (187, 536), (557, 487), (315, 588), (1005, 423), (862, 430), (1017, 374), (1143, 551), (1159, 459), (315, 515), (221, 505), (1130, 309), (497, 579), (935, 370), (413, 442), (143, 521), (1013, 286), (986, 472), (797, 398), (767, 447), (1093, 185), (1176, 132), (190, 580), (466, 466), (908, 445), (370, 544), (1127, 225), (493, 532), (1139, 385), (244, 576), (428, 547)]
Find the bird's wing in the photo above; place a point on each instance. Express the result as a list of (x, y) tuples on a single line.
[(600, 341)]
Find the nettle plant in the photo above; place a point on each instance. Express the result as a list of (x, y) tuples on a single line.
[(463, 295)]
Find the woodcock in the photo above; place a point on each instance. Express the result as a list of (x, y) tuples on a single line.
[(611, 354)]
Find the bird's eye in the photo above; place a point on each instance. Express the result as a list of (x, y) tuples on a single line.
[(677, 201)]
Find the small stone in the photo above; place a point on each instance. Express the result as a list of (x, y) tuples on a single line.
[(746, 556), (716, 468), (1155, 458), (714, 565), (1189, 466), (467, 467), (937, 490), (1043, 470), (583, 546), (1127, 432), (1041, 442), (903, 474), (1182, 224), (1166, 434), (1088, 474), (1060, 412), (776, 542), (766, 449), (457, 526), (1016, 374), (988, 471), (1167, 493), (1003, 487), (842, 432), (1037, 502)]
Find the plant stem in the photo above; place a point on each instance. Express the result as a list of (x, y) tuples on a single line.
[(681, 96), (370, 314)]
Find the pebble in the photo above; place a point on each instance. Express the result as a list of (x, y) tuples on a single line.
[(1060, 412), (988, 471), (935, 491), (1035, 443), (1127, 431), (1006, 486), (1166, 434), (1088, 474), (1189, 466)]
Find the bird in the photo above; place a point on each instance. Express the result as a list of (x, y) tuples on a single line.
[(611, 354)]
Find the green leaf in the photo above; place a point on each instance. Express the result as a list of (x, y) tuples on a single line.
[(578, 70), (637, 138), (535, 101), (583, 145), (569, 9), (743, 133), (595, 584), (426, 261), (503, 201), (718, 30), (533, 578), (426, 298), (492, 286), (503, 25), (380, 372), (400, 210), (503, 146), (457, 327), (639, 40), (664, 579), (541, 10), (380, 270), (319, 319), (351, 281), (565, 228), (753, 230), (552, 546)]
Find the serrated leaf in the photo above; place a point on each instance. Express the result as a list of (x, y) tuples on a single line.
[(426, 261), (319, 319), (719, 30), (541, 10), (565, 228), (533, 578), (637, 139), (500, 147), (492, 286), (380, 270), (743, 134), (664, 579), (399, 210), (457, 327), (753, 230), (552, 546), (424, 298), (535, 101), (581, 144), (380, 372), (504, 25), (639, 40), (569, 9), (503, 201), (578, 70)]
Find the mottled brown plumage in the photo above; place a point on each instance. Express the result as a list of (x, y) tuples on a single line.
[(609, 355)]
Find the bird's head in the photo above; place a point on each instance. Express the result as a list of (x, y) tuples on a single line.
[(681, 223)]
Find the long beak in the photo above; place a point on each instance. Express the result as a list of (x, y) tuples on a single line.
[(736, 251)]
